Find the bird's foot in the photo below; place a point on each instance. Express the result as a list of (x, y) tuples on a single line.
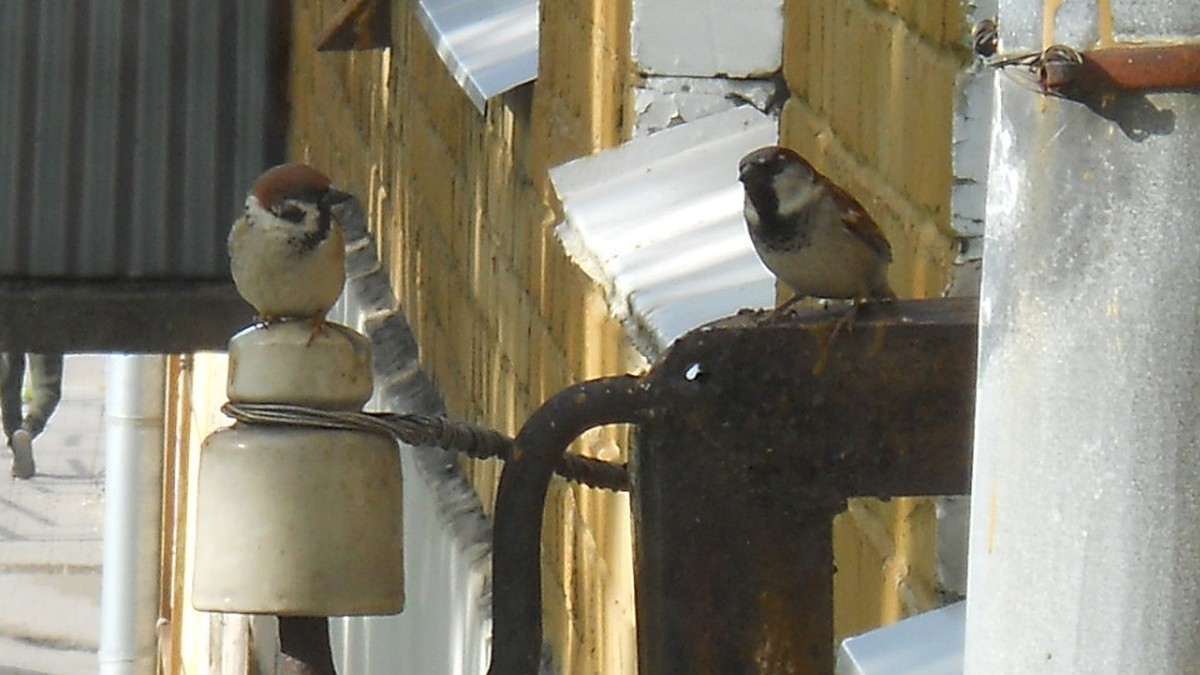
[(782, 310), (316, 325), (846, 320)]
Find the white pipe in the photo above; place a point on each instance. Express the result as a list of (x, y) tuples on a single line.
[(129, 591)]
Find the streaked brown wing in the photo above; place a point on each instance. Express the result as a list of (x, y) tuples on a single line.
[(859, 221)]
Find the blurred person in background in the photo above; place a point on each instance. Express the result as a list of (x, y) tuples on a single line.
[(21, 424)]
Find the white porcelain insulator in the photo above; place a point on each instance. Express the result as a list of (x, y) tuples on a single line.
[(298, 522), (286, 362)]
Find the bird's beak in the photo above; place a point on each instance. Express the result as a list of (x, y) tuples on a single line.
[(333, 197)]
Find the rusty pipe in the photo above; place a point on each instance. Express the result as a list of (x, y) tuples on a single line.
[(1148, 67), (1064, 71), (520, 503)]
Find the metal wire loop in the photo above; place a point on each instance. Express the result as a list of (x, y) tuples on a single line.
[(427, 430)]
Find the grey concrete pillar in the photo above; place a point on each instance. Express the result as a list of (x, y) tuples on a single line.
[(1085, 526)]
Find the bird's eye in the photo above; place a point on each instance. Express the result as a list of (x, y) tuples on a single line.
[(291, 213)]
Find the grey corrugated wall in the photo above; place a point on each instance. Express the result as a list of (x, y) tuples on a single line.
[(130, 130)]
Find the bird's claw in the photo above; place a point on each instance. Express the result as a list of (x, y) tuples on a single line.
[(316, 326), (782, 310), (846, 320)]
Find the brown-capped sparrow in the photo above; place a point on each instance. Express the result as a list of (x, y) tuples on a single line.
[(286, 251), (811, 234)]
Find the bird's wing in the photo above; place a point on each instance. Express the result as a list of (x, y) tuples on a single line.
[(858, 221)]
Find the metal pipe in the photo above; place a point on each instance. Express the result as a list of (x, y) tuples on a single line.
[(520, 503), (134, 403), (1086, 480)]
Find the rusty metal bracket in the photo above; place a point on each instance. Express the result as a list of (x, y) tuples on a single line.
[(1113, 81), (520, 502), (756, 433), (1064, 71), (1147, 67), (752, 434)]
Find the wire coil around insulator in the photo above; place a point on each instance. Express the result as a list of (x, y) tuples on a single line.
[(428, 430)]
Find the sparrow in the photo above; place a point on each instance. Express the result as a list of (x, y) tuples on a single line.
[(286, 251), (811, 234)]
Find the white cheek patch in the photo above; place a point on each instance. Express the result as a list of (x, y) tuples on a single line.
[(751, 214), (795, 193)]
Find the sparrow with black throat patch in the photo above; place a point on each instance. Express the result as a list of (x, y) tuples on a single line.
[(812, 235), (287, 252)]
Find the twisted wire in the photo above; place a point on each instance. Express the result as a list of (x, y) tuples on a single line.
[(427, 430)]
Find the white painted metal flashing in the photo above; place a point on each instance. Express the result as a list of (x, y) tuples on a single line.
[(926, 644), (736, 38), (658, 223), (490, 46), (446, 625)]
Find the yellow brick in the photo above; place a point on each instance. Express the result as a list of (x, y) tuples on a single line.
[(796, 29), (849, 63), (875, 44), (930, 116), (814, 55)]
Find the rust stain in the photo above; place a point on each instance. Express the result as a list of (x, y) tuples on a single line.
[(823, 334), (1049, 16), (1104, 12), (779, 649), (880, 337)]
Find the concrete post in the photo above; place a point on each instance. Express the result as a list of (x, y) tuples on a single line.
[(1085, 527)]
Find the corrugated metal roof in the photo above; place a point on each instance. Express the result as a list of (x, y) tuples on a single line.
[(490, 46), (658, 223), (129, 131)]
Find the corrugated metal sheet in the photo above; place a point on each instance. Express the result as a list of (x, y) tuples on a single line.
[(129, 131), (926, 644), (658, 223), (490, 46)]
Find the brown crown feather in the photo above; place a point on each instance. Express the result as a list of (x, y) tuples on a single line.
[(288, 181)]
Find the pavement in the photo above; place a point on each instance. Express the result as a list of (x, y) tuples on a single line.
[(51, 536)]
